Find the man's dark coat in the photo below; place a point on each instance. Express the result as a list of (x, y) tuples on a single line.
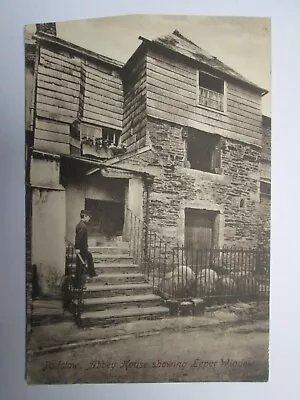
[(81, 237)]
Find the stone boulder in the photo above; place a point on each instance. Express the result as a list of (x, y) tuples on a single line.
[(177, 283), (206, 282)]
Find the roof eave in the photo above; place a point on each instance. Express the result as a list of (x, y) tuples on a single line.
[(102, 165)]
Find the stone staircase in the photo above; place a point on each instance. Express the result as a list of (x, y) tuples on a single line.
[(120, 292)]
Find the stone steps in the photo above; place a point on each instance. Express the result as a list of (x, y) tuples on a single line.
[(96, 240), (112, 258), (110, 317), (124, 249), (106, 268), (118, 278), (98, 290), (105, 256), (121, 302), (120, 292)]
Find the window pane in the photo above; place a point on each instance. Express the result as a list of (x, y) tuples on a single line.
[(212, 83)]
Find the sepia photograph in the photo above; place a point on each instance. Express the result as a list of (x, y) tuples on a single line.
[(148, 199)]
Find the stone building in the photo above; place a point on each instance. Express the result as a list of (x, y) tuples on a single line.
[(174, 135), (198, 125)]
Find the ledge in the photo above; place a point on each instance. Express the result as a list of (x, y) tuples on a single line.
[(126, 156), (58, 188), (44, 154), (224, 113), (207, 176)]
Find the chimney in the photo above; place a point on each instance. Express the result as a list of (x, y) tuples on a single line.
[(49, 28)]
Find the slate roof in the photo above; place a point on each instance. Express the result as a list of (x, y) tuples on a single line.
[(175, 42), (179, 44)]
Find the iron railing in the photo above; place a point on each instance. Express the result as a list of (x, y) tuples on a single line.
[(75, 271), (185, 272), (179, 272)]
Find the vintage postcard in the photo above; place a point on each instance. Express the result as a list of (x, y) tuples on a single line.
[(148, 193)]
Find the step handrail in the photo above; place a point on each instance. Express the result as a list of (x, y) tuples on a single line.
[(148, 232), (151, 244)]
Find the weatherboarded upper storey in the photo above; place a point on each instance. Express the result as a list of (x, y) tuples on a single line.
[(172, 79), (79, 95)]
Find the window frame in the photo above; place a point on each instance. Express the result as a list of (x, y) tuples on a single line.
[(224, 111), (112, 135)]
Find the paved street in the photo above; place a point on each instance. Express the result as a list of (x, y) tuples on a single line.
[(230, 352)]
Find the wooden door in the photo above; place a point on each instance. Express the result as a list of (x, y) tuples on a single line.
[(199, 229), (199, 232)]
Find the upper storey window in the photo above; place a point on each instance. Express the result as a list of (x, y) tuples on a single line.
[(211, 92), (203, 151)]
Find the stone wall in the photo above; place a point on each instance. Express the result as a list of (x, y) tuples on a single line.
[(234, 193), (266, 142), (264, 223), (241, 199)]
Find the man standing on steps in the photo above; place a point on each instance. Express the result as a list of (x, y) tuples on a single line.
[(81, 242)]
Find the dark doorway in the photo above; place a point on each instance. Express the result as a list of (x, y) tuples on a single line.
[(107, 218)]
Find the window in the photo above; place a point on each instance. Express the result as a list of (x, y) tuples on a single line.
[(265, 189), (89, 134), (111, 136), (107, 136), (203, 151), (211, 91)]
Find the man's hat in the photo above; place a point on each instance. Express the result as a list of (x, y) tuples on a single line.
[(84, 213)]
